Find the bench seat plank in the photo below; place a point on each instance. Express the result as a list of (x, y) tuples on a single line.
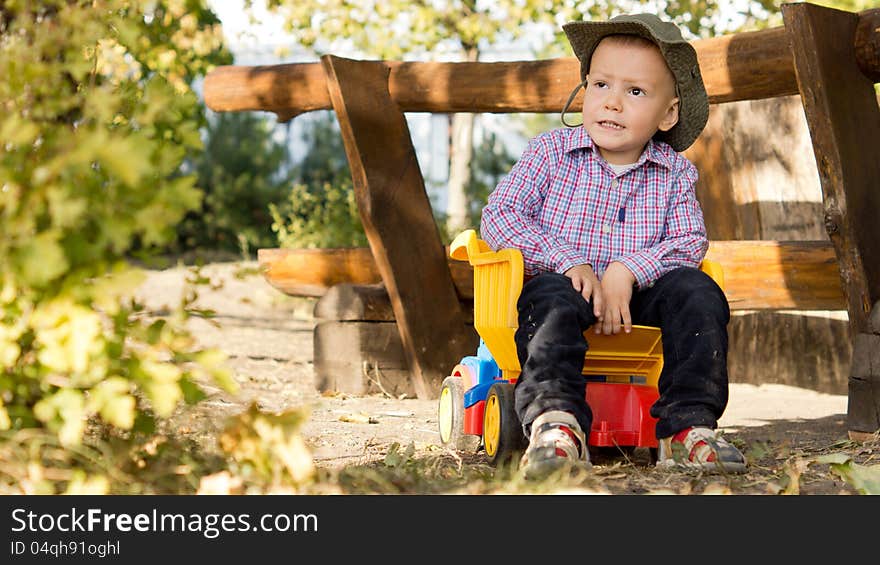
[(769, 275)]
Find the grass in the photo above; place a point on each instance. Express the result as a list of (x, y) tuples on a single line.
[(260, 453)]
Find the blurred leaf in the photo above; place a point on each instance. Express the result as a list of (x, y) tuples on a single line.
[(63, 412), (82, 484), (144, 423), (270, 445), (865, 479), (126, 157), (41, 259), (192, 393), (113, 401)]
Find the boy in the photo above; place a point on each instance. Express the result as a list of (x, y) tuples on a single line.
[(611, 233)]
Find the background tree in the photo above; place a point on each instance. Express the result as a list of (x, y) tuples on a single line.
[(242, 170), (320, 210)]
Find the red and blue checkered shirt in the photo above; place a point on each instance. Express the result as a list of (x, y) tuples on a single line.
[(561, 205)]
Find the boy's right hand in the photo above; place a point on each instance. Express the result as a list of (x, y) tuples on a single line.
[(585, 281)]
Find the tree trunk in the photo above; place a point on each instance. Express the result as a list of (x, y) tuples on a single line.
[(461, 149)]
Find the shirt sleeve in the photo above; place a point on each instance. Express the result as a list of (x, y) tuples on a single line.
[(684, 242), (512, 215)]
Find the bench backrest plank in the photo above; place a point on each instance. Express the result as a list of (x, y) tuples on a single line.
[(744, 66)]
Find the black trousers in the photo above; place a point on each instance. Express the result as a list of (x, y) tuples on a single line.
[(692, 314)]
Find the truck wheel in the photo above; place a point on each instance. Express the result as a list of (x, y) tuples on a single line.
[(450, 416), (503, 436)]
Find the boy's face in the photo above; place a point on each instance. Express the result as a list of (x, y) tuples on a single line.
[(630, 94)]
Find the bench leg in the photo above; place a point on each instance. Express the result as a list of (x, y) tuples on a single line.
[(840, 104)]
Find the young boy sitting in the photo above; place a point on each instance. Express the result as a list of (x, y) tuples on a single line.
[(606, 217)]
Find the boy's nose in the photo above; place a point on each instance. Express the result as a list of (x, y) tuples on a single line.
[(612, 101)]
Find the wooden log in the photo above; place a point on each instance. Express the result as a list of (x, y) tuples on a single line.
[(776, 275), (841, 119), (769, 275), (398, 220), (361, 358), (864, 381), (743, 66), (365, 302), (311, 272), (287, 90), (867, 45), (355, 302), (841, 108), (793, 348), (863, 406), (755, 184)]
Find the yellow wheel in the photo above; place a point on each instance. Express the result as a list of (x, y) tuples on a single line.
[(450, 417), (503, 437)]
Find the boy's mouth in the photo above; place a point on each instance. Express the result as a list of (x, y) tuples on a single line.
[(611, 125)]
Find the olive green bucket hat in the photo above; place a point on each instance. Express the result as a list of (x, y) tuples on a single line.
[(679, 54)]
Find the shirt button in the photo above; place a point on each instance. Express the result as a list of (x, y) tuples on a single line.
[(614, 183), (606, 228)]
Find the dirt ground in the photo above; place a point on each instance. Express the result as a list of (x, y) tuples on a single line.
[(268, 337)]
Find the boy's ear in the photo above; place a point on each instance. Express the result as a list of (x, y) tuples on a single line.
[(671, 117)]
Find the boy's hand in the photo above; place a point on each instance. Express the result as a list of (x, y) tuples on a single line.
[(585, 281), (617, 288)]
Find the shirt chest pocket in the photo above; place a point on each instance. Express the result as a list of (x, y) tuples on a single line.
[(641, 227)]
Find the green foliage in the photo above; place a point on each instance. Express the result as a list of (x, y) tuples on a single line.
[(318, 216), (325, 160), (460, 26), (491, 162), (97, 117), (241, 172), (320, 210)]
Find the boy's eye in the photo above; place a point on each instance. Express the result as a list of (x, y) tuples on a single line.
[(600, 83), (636, 91)]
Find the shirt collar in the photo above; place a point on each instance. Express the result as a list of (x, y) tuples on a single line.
[(654, 151)]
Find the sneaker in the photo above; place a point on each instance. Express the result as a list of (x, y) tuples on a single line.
[(556, 441), (700, 448)]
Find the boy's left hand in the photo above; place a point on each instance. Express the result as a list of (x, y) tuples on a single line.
[(617, 288)]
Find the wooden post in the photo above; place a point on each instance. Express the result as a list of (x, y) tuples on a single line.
[(844, 119), (397, 218)]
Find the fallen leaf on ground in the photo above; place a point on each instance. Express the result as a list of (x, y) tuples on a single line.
[(359, 418)]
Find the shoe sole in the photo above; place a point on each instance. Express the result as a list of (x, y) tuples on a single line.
[(543, 469)]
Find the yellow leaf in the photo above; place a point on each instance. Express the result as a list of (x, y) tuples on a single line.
[(107, 290), (5, 422), (81, 483), (17, 131), (111, 399), (163, 396), (63, 412), (41, 259), (125, 157), (67, 336)]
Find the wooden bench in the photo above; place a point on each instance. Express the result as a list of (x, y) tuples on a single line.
[(830, 58)]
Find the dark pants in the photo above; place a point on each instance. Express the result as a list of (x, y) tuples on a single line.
[(692, 314)]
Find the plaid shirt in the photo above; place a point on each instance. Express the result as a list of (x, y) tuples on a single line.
[(561, 205)]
